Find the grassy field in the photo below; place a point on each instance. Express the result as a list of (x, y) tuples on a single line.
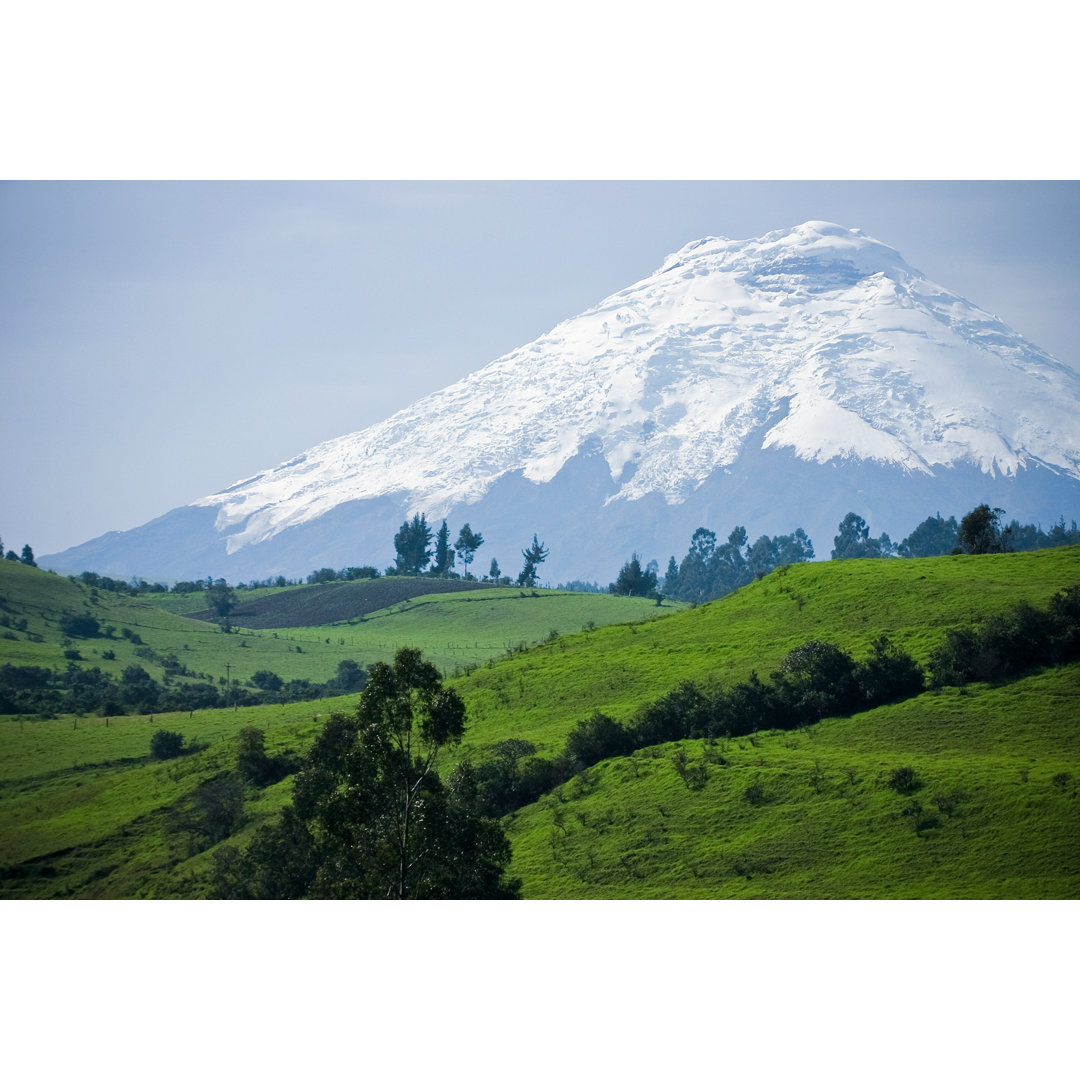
[(540, 695), (811, 815), (454, 629), (189, 603), (84, 810), (330, 602)]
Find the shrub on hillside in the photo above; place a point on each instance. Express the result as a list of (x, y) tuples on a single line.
[(73, 624), (255, 766), (267, 680), (1007, 644), (816, 679), (683, 713), (904, 780), (166, 744), (597, 738), (350, 678), (888, 674)]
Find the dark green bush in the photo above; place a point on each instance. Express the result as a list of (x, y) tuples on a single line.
[(166, 744), (904, 780), (76, 625), (597, 738), (267, 680)]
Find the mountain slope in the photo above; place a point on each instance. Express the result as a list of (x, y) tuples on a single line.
[(775, 383)]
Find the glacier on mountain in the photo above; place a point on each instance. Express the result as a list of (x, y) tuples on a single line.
[(814, 359)]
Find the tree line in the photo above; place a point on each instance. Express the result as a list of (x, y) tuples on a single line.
[(42, 692), (420, 551), (710, 570), (979, 532), (815, 680)]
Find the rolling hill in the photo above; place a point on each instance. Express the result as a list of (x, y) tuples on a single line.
[(991, 811)]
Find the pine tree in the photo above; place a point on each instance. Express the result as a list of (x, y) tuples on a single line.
[(534, 555), (467, 544), (411, 542), (633, 581), (444, 554)]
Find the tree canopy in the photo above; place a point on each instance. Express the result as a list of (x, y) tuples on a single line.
[(411, 543), (981, 533), (533, 555), (467, 544), (371, 818), (934, 536), (221, 598), (444, 553), (854, 541), (633, 581)]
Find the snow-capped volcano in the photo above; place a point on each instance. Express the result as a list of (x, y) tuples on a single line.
[(755, 382)]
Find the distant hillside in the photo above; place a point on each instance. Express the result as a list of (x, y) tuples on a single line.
[(460, 624), (334, 601)]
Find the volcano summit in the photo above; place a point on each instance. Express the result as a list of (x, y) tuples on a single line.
[(774, 383)]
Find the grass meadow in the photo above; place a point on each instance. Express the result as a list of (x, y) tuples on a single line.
[(811, 814), (454, 630), (86, 812)]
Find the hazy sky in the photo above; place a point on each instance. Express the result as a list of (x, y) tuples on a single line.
[(160, 341)]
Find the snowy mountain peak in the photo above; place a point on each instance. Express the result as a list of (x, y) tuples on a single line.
[(804, 249), (739, 366), (819, 339)]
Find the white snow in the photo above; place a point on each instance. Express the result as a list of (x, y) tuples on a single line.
[(819, 339)]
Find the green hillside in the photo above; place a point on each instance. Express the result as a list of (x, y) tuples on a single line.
[(330, 602), (85, 811), (540, 695), (811, 815), (454, 629)]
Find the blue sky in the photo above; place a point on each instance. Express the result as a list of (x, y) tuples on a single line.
[(163, 340)]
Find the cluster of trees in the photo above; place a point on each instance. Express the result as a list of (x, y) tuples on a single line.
[(350, 573), (1006, 645), (416, 555), (414, 551), (37, 691), (633, 581), (710, 570), (979, 532), (134, 587), (371, 818), (27, 556)]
